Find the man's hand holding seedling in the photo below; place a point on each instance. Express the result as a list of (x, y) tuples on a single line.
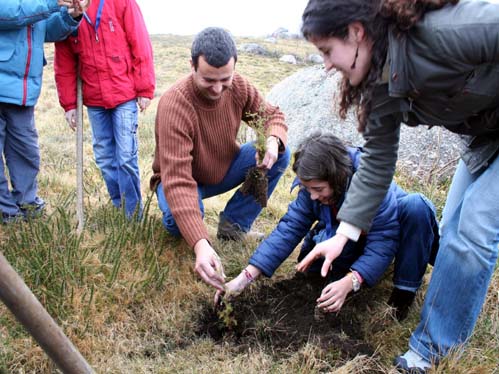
[(271, 154), (208, 265)]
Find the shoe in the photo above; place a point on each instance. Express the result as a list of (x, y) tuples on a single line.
[(7, 219), (401, 300), (411, 363), (33, 210), (232, 231)]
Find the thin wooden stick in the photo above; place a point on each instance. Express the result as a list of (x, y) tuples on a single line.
[(79, 155), (16, 295)]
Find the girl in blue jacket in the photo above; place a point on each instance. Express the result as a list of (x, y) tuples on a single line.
[(24, 26), (405, 228)]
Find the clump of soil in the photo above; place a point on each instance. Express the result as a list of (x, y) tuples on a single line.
[(256, 184), (280, 317)]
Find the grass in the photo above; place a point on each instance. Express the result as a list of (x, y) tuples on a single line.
[(126, 293)]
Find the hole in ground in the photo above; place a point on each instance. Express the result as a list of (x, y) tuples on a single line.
[(280, 318)]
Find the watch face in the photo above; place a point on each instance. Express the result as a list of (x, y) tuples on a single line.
[(355, 283)]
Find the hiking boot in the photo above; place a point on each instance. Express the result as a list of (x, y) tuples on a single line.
[(33, 210), (401, 300), (232, 231)]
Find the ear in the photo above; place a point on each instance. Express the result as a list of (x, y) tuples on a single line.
[(356, 32), (193, 69)]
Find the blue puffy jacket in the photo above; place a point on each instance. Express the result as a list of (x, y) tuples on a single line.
[(381, 242), (24, 26)]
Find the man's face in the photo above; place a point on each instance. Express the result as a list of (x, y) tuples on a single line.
[(213, 81)]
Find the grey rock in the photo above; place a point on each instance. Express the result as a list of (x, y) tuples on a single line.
[(307, 99), (290, 59), (315, 59), (254, 48)]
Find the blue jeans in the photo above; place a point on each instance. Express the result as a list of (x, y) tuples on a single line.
[(19, 146), (469, 245), (418, 231), (114, 138), (240, 209)]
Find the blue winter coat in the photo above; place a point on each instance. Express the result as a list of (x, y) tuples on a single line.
[(381, 241), (24, 26)]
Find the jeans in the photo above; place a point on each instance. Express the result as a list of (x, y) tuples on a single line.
[(418, 231), (114, 138), (469, 245), (241, 210), (19, 146)]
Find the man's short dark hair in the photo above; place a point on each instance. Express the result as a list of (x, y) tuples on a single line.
[(216, 45)]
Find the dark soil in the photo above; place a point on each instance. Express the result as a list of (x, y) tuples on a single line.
[(256, 183), (280, 317)]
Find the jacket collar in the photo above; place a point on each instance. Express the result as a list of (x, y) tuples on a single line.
[(397, 75)]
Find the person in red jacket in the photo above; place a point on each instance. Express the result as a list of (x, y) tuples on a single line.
[(112, 53)]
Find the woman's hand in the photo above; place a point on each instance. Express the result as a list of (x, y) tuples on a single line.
[(329, 249), (334, 294)]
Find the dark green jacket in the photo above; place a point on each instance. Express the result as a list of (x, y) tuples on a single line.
[(442, 72)]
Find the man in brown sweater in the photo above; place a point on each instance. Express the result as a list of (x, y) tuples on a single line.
[(197, 154)]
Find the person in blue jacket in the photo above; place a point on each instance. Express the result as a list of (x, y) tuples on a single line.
[(405, 229), (24, 26)]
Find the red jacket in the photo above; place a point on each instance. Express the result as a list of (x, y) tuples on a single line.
[(116, 62)]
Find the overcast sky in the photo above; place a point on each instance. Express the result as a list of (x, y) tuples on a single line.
[(241, 17)]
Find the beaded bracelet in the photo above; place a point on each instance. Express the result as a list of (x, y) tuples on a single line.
[(248, 276)]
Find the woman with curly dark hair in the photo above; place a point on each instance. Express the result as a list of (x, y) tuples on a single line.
[(421, 62)]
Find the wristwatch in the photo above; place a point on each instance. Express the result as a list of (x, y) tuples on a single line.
[(355, 282)]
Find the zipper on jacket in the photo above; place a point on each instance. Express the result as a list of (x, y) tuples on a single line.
[(28, 63)]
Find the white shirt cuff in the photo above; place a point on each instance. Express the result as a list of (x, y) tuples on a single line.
[(350, 231)]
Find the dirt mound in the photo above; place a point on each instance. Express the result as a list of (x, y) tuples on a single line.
[(280, 317)]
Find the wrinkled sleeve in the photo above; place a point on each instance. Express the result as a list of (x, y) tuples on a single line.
[(292, 228), (140, 46), (174, 124), (65, 69), (377, 165), (381, 242), (15, 14), (275, 124)]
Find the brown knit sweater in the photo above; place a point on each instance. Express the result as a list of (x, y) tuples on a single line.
[(196, 143)]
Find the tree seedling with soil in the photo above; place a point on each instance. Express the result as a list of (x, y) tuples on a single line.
[(256, 182)]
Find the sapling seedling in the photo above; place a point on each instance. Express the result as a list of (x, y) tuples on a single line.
[(256, 182)]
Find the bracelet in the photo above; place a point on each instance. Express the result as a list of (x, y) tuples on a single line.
[(248, 276), (359, 277)]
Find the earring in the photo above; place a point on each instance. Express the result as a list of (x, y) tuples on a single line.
[(355, 60)]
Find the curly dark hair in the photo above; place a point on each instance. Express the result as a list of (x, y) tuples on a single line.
[(330, 18), (323, 156)]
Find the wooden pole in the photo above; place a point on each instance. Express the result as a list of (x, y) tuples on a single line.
[(32, 315), (79, 155)]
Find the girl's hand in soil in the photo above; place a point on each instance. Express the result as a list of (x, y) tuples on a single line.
[(237, 285), (271, 155), (329, 249), (208, 265), (334, 294)]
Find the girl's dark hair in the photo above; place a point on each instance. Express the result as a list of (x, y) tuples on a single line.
[(326, 18), (322, 156)]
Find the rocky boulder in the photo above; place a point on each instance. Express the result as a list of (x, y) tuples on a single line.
[(307, 99)]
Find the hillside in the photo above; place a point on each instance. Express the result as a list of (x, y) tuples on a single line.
[(127, 295)]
